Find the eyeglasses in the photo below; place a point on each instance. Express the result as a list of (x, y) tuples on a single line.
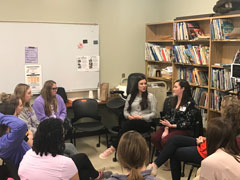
[(55, 89)]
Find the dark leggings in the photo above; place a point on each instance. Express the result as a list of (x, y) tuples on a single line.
[(85, 167), (179, 148), (140, 126)]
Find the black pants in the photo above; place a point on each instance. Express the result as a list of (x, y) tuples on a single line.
[(140, 126), (85, 167), (179, 148)]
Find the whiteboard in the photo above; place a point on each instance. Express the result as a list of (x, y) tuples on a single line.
[(57, 53)]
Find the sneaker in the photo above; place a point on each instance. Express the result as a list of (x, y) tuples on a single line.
[(108, 152), (104, 174), (154, 170)]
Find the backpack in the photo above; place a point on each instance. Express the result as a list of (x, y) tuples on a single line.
[(61, 91), (225, 6)]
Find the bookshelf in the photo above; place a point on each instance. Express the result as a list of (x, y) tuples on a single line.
[(159, 41), (212, 51)]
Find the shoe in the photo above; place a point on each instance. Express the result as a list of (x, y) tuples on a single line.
[(104, 175), (108, 152), (154, 170)]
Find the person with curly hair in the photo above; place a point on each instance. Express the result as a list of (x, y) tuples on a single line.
[(46, 157)]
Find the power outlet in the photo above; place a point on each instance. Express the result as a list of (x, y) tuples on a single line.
[(123, 75)]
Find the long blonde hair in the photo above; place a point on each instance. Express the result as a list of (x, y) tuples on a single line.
[(132, 154), (20, 91), (47, 97)]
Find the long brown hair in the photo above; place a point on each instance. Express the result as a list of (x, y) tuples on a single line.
[(20, 91), (230, 111), (220, 135), (47, 97), (132, 154)]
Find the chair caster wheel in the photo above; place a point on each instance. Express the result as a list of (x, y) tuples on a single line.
[(114, 159), (98, 145)]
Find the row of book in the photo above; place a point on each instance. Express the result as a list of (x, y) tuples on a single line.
[(220, 28), (158, 53), (221, 79), (216, 99), (196, 76), (191, 54), (188, 31), (200, 96)]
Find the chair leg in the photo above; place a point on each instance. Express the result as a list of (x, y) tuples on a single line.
[(107, 139), (115, 157), (99, 140), (153, 152), (183, 169), (190, 173)]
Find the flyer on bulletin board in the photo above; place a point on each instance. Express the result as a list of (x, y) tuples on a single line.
[(33, 77), (88, 63)]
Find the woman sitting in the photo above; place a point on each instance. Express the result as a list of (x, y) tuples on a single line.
[(179, 115), (49, 103), (24, 92), (194, 150), (223, 161), (46, 161), (12, 105), (140, 108), (133, 155)]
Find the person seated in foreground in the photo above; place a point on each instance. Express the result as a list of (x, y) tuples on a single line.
[(194, 150), (223, 161), (46, 157), (133, 155), (12, 143)]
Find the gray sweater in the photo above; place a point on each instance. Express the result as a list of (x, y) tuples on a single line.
[(146, 176), (148, 113), (30, 118)]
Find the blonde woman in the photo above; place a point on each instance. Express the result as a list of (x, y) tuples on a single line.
[(24, 92), (133, 156)]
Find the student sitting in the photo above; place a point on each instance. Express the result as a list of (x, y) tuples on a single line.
[(24, 92), (12, 143), (223, 161), (49, 103), (12, 105), (46, 161), (133, 155), (140, 108)]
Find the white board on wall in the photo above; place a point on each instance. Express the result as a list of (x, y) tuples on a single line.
[(58, 49)]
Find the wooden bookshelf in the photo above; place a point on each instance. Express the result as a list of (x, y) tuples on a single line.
[(221, 51)]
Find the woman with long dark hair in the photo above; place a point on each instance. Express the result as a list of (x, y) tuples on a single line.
[(178, 116), (140, 108), (49, 103)]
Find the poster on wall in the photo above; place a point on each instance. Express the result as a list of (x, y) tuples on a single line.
[(33, 77), (31, 55), (88, 63)]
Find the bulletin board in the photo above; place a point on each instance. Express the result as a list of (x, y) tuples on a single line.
[(61, 51)]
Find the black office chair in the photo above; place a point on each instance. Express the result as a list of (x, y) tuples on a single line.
[(8, 169), (87, 108)]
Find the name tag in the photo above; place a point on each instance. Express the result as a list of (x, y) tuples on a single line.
[(182, 108)]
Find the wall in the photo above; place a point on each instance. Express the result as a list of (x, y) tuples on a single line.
[(122, 24)]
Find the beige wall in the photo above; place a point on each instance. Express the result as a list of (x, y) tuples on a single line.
[(122, 24)]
